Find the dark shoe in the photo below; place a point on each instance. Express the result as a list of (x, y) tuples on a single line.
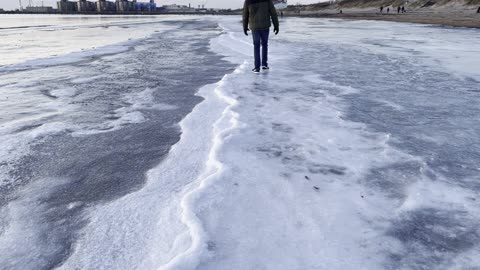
[(265, 68), (256, 70)]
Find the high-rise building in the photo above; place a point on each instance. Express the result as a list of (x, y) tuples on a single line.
[(145, 6), (85, 6), (124, 6), (104, 6), (65, 6)]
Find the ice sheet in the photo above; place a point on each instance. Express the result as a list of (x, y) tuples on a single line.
[(83, 137), (28, 106), (149, 228), (301, 186), (327, 161), (34, 40)]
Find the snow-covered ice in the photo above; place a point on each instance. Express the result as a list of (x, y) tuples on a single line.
[(359, 149)]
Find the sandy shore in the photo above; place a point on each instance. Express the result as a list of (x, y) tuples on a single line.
[(456, 19)]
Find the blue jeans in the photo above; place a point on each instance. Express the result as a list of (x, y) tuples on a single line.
[(260, 38)]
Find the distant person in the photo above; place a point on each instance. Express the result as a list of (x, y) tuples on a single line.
[(257, 16), (478, 10), (388, 10), (403, 9), (341, 11), (281, 14), (381, 9), (399, 9)]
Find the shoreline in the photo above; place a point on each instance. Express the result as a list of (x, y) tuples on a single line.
[(118, 14), (459, 19)]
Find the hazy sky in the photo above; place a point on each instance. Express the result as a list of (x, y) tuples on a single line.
[(13, 4)]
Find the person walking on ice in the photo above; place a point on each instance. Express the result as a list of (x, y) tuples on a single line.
[(258, 16)]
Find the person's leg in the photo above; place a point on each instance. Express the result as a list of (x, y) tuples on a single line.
[(265, 34), (256, 48)]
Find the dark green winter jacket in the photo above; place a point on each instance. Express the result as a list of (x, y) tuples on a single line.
[(257, 14)]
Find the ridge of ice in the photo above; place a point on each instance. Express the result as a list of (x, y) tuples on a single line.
[(190, 258)]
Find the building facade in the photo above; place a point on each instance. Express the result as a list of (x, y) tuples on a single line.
[(104, 6), (145, 7), (39, 10), (124, 6), (178, 8), (85, 6), (65, 6)]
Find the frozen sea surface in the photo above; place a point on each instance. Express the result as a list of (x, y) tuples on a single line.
[(360, 149)]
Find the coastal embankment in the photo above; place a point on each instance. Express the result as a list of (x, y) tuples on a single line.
[(448, 13)]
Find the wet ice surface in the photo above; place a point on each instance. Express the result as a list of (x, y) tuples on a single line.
[(358, 150), (78, 135), (33, 38)]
